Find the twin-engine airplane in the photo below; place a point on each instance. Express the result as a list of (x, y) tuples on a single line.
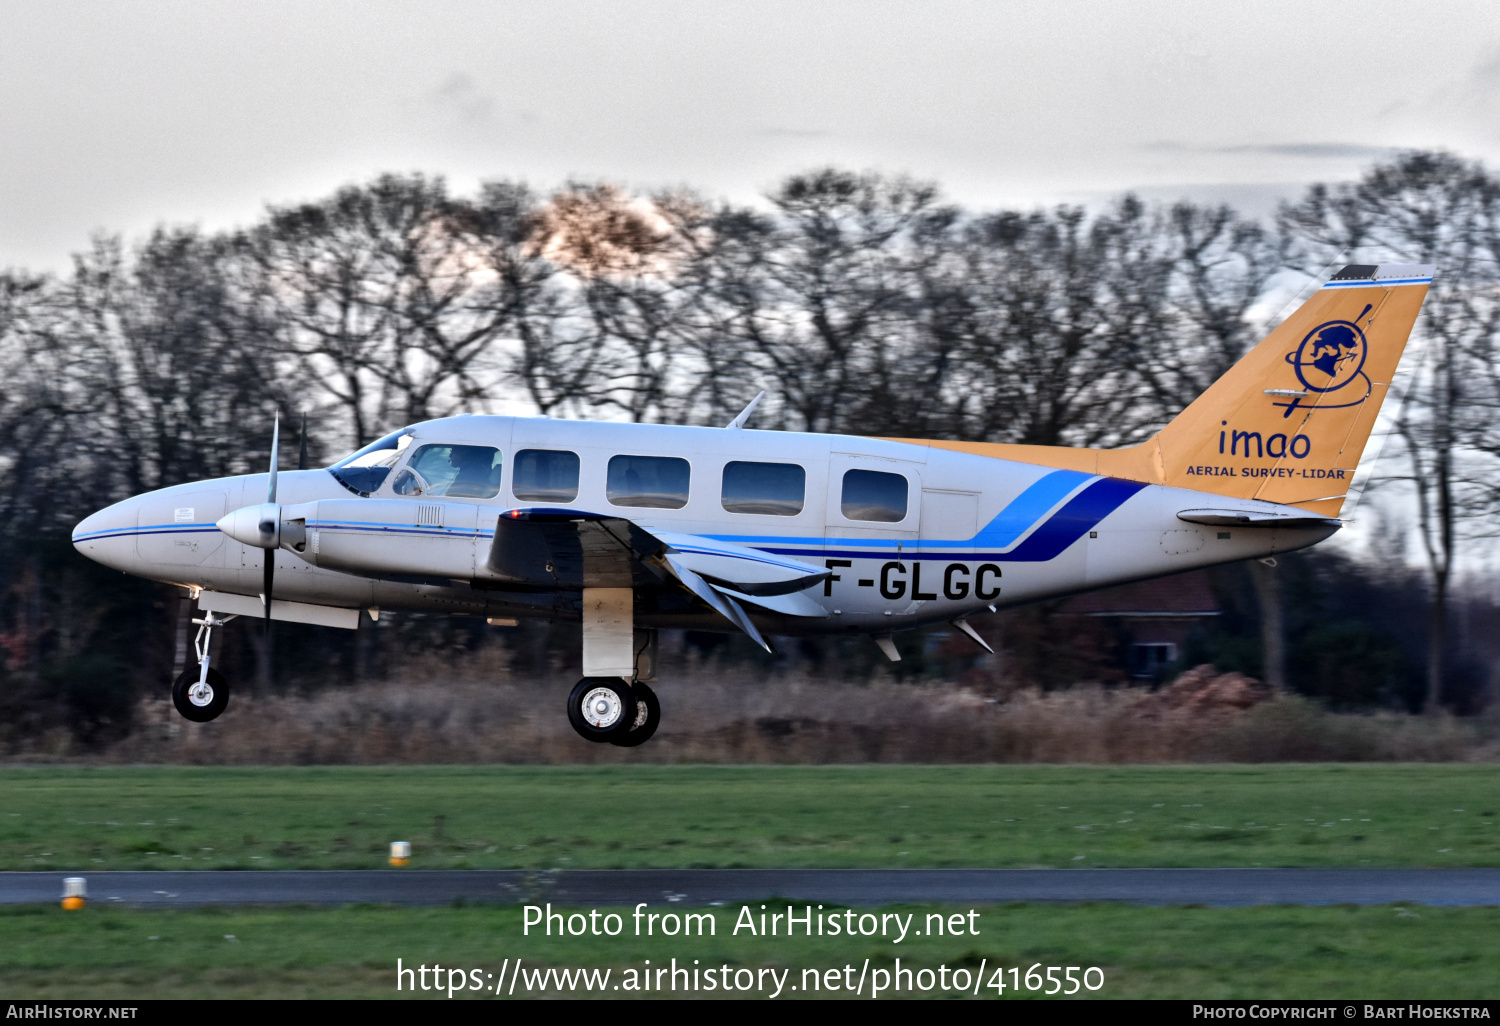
[(630, 528)]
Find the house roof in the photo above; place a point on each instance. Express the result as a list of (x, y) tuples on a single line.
[(1180, 595)]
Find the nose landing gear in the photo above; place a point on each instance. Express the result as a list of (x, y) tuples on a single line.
[(201, 693), (609, 709)]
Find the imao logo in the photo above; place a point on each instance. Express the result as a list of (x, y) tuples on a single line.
[(1330, 358)]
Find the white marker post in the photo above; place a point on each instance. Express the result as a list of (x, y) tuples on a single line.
[(75, 890), (400, 853)]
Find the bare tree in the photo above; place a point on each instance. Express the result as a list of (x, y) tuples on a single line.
[(618, 251), (550, 355), (1024, 311), (718, 255), (817, 295), (1212, 268), (382, 298)]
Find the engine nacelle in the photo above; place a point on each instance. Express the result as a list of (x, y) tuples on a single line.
[(388, 537)]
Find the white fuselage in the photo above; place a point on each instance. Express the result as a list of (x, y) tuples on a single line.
[(976, 532)]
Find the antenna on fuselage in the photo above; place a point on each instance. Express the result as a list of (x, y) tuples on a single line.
[(302, 444), (739, 421)]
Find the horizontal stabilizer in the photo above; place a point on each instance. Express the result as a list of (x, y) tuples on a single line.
[(1254, 518)]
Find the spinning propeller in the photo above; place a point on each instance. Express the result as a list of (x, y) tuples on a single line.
[(260, 526), (271, 525)]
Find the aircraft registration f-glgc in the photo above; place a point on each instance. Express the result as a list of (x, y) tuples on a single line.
[(630, 528)]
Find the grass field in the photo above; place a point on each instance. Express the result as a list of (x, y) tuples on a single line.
[(81, 818), (1201, 953)]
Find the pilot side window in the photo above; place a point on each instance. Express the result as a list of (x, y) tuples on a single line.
[(873, 495), (364, 471), (772, 489), (651, 482), (452, 471), (545, 475)]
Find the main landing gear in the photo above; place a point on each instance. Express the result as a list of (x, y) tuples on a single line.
[(201, 693), (614, 710)]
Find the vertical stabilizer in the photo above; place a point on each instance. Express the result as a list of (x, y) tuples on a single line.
[(1289, 421)]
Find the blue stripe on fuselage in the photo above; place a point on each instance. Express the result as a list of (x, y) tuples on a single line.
[(1068, 524), (1026, 509), (1048, 541)]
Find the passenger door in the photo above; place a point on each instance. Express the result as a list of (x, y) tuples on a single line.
[(838, 525)]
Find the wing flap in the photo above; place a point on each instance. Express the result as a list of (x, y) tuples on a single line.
[(741, 568), (793, 604), (720, 603)]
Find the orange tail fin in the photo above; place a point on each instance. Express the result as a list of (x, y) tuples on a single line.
[(1289, 421)]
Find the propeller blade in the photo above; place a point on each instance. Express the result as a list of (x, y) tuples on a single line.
[(270, 565), (275, 450), (302, 445), (266, 581)]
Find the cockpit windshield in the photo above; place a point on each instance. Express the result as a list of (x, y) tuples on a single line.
[(364, 471)]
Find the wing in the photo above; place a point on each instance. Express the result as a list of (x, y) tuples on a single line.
[(567, 549)]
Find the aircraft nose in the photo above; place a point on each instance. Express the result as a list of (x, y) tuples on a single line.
[(108, 536)]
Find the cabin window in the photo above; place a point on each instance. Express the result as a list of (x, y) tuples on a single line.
[(771, 489), (365, 470), (452, 471), (873, 495), (545, 475), (651, 482)]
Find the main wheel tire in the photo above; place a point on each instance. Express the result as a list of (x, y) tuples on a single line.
[(647, 717), (600, 706), (200, 704)]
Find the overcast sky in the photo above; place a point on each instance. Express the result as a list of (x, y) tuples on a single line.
[(117, 116)]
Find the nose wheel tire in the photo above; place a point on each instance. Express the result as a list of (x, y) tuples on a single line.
[(600, 706), (200, 702), (647, 716)]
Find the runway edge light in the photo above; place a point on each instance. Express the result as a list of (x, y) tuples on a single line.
[(400, 853), (75, 889)]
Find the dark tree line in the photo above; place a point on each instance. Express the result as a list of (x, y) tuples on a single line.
[(860, 303)]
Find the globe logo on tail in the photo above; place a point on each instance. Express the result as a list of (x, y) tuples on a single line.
[(1330, 357)]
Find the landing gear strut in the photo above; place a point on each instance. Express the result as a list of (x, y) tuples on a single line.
[(201, 693)]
